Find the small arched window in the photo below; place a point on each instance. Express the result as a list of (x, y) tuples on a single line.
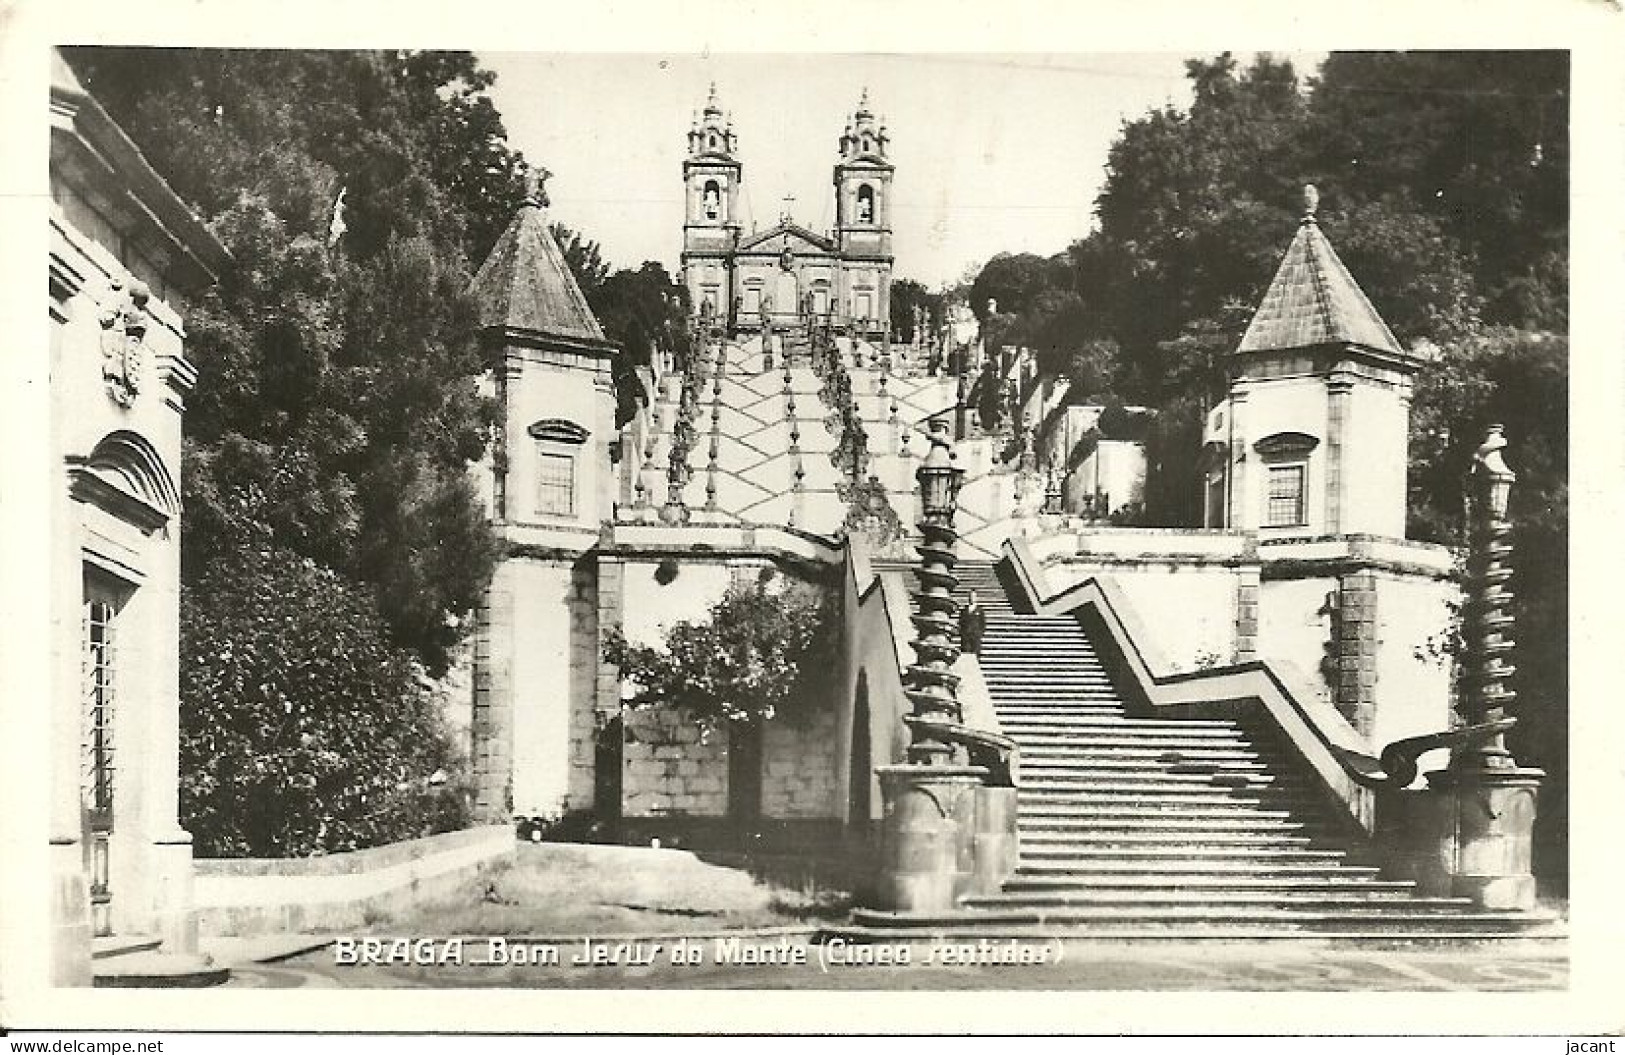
[(866, 204), (711, 200)]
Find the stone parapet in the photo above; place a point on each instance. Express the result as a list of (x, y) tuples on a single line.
[(341, 891), (1331, 554)]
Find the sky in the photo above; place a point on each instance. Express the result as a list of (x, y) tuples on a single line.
[(993, 152)]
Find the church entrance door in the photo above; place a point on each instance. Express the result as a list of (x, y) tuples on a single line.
[(786, 294)]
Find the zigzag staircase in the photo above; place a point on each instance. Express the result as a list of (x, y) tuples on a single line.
[(1138, 828)]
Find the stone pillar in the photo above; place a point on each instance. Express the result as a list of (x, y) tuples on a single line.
[(1356, 649), (169, 846), (70, 884), (492, 724), (1484, 818), (585, 667), (1237, 514), (928, 833), (1247, 613), (1339, 388)]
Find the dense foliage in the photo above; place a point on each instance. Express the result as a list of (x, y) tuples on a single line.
[(336, 402), (757, 656), (318, 736)]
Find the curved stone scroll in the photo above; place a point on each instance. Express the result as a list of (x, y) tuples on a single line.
[(1397, 768), (996, 753)]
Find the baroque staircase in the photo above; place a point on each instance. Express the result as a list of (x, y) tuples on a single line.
[(1138, 828)]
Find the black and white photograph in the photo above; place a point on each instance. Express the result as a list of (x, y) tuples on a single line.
[(1002, 515)]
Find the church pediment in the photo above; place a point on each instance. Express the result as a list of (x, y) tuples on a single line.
[(799, 240)]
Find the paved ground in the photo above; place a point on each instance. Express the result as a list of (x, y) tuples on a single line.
[(1080, 967)]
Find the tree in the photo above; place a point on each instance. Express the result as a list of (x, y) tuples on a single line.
[(1010, 280), (318, 736), (907, 295), (584, 259), (757, 656), (1478, 140), (337, 404)]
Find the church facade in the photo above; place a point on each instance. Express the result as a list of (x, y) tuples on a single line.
[(788, 273)]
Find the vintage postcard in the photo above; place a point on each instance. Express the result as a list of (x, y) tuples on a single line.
[(1008, 506)]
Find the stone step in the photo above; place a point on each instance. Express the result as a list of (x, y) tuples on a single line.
[(1194, 727), (1370, 920), (1059, 747), (1131, 816), (1176, 872), (1050, 759), (1041, 773), (1290, 897), (1024, 675), (927, 942), (1049, 665), (1174, 858), (1099, 732), (109, 945), (1087, 838), (1019, 684), (1154, 803), (151, 969), (1160, 743), (1083, 705), (1335, 880)]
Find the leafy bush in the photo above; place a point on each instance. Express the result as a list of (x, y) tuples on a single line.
[(759, 655), (302, 731)]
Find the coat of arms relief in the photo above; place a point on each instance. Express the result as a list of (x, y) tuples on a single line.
[(124, 353)]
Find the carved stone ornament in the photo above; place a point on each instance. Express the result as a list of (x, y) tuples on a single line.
[(124, 352)]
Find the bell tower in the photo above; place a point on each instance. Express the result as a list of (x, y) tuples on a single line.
[(863, 231), (711, 175)]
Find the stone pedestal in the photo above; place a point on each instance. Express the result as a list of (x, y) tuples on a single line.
[(1485, 821), (174, 919), (927, 855), (1468, 834), (70, 915)]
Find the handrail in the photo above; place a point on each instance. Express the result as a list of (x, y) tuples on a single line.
[(1340, 756)]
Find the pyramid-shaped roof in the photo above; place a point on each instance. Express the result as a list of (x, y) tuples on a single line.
[(525, 284), (1314, 300)]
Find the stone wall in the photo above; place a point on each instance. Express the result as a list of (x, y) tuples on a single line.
[(342, 891), (1368, 615), (800, 764), (535, 684), (669, 768), (1295, 626)]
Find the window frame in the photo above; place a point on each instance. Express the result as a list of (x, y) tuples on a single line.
[(550, 452), (1301, 511)]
